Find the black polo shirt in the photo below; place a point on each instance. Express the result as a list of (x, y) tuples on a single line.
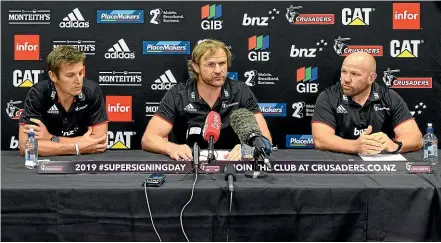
[(384, 110), (88, 109), (183, 107)]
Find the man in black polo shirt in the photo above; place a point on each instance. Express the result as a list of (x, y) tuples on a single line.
[(189, 103), (66, 112), (359, 115)]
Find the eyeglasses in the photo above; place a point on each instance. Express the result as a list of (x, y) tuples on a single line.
[(213, 64)]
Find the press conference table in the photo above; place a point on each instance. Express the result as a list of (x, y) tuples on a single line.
[(281, 207)]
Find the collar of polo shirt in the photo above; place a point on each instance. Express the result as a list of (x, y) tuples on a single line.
[(373, 96), (193, 94), (80, 97)]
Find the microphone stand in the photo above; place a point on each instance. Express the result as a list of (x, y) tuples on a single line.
[(256, 172), (196, 164)]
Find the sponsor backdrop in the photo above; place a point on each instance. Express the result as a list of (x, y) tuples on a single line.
[(287, 52)]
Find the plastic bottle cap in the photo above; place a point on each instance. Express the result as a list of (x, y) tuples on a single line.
[(429, 124)]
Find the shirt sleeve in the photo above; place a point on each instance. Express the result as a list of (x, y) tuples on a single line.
[(400, 111), (323, 112), (248, 100), (98, 113), (33, 107), (167, 109)]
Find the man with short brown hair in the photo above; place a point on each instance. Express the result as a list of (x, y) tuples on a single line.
[(188, 104), (66, 112)]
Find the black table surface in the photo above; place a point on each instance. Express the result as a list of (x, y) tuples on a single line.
[(281, 207)]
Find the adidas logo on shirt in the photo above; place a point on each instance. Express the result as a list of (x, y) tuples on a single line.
[(341, 109), (74, 20), (189, 107), (53, 110), (120, 50), (165, 81)]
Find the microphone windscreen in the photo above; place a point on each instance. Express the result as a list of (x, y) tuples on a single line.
[(194, 134), (230, 170), (244, 123), (212, 126)]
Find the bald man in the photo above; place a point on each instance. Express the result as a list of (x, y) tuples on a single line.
[(361, 116)]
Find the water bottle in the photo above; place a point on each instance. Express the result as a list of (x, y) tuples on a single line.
[(31, 150), (430, 146)]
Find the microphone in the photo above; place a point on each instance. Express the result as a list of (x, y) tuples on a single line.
[(211, 132), (194, 138), (194, 135), (245, 126), (230, 176)]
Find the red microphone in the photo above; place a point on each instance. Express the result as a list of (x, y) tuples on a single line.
[(211, 132)]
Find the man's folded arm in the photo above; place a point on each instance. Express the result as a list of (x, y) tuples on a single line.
[(97, 120), (66, 145), (98, 131), (46, 147)]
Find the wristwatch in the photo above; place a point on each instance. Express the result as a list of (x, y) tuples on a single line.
[(55, 139), (400, 144)]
